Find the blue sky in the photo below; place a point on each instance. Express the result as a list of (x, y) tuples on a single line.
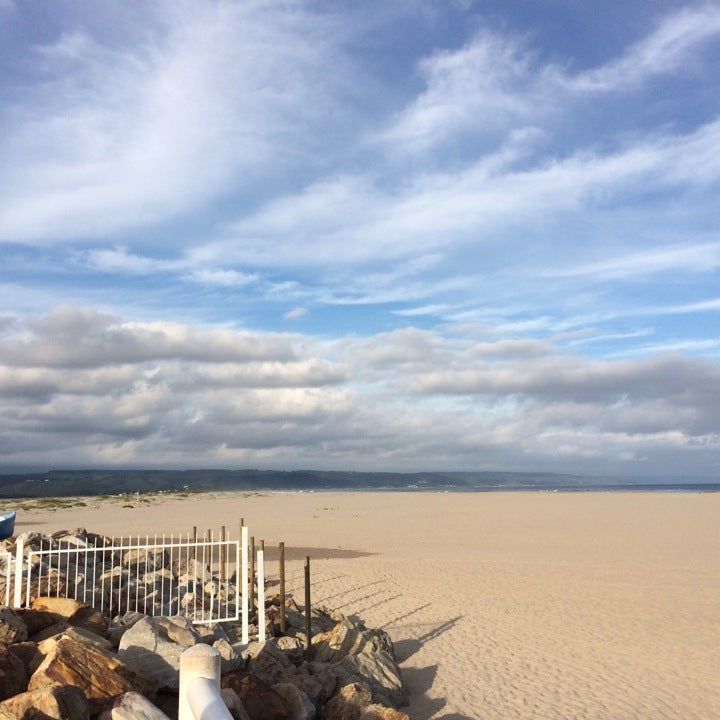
[(405, 235)]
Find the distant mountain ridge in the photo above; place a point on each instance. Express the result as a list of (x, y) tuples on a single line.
[(63, 483)]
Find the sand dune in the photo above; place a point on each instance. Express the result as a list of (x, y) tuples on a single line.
[(501, 605)]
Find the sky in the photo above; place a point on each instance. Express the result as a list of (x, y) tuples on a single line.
[(400, 235)]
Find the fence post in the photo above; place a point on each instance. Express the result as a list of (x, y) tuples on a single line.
[(262, 630), (252, 573), (200, 700), (282, 588), (19, 552), (308, 611), (244, 586), (223, 554)]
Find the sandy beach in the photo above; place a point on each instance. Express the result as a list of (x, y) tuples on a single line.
[(501, 605)]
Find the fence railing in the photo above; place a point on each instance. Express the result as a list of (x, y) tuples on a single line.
[(205, 579)]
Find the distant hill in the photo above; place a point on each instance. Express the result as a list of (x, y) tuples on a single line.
[(64, 483)]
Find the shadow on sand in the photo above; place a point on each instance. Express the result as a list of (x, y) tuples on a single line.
[(419, 681)]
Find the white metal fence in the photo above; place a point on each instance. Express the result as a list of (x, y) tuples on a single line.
[(205, 579)]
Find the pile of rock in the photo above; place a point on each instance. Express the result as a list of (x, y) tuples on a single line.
[(63, 659), (157, 581)]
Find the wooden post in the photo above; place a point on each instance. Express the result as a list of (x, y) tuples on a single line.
[(252, 574), (282, 587), (308, 624), (223, 555)]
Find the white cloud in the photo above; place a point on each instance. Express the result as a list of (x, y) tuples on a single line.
[(666, 50), (410, 399), (702, 257), (113, 138), (295, 314), (437, 212), (495, 81)]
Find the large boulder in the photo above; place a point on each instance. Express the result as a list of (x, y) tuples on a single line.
[(140, 560), (13, 677), (28, 654), (58, 702), (297, 701), (259, 700), (156, 644), (346, 639), (76, 613), (234, 704), (78, 635), (12, 627), (349, 703), (271, 664), (132, 706), (35, 620), (380, 672), (100, 674)]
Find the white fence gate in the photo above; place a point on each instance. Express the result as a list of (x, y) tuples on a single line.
[(204, 579)]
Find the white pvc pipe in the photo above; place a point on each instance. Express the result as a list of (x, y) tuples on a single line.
[(199, 696), (205, 701), (19, 549), (261, 595), (244, 585)]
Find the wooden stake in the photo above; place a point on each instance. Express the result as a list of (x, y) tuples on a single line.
[(282, 587), (252, 573), (308, 611)]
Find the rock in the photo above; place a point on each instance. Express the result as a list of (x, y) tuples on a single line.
[(100, 674), (13, 676), (378, 712), (112, 579), (380, 672), (78, 635), (230, 659), (349, 639), (349, 703), (141, 560), (132, 706), (156, 644), (168, 704), (270, 664), (51, 631), (63, 608), (35, 620), (291, 647), (260, 701), (58, 702), (323, 674), (187, 570), (12, 627), (297, 701), (28, 654), (234, 704), (76, 613)]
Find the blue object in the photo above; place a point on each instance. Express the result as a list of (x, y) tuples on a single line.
[(7, 525)]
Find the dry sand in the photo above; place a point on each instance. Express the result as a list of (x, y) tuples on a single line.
[(522, 605)]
